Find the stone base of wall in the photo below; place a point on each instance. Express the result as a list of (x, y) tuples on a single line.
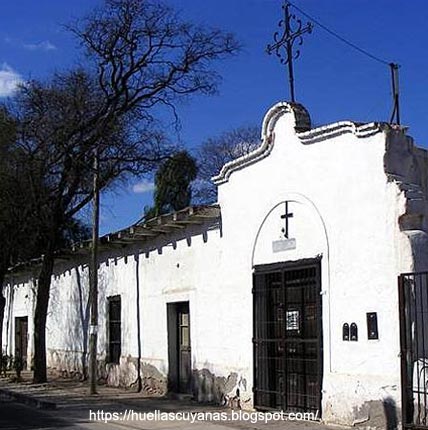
[(125, 374), (371, 415), (207, 387), (68, 364), (71, 364)]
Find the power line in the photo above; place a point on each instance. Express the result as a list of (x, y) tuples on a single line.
[(342, 39)]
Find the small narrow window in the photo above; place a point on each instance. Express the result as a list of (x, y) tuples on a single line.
[(114, 329), (354, 332), (345, 331)]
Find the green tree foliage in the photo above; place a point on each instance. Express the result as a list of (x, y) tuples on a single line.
[(173, 184)]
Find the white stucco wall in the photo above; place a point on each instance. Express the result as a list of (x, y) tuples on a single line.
[(346, 209), (346, 187), (168, 272), (19, 295)]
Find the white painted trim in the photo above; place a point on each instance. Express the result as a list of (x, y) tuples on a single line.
[(301, 121)]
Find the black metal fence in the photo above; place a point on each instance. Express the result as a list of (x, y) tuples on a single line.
[(287, 337), (413, 298)]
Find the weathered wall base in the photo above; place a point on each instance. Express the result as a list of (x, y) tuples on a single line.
[(206, 386), (70, 364), (209, 388), (376, 402)]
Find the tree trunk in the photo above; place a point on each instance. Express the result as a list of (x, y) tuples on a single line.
[(40, 314), (2, 306)]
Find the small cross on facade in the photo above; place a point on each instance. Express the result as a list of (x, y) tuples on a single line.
[(286, 216)]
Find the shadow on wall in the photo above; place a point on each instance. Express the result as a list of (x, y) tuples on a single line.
[(377, 414), (187, 234), (153, 382), (209, 388), (70, 360), (69, 315), (390, 410), (70, 309)]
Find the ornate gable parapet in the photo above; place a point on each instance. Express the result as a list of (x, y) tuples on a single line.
[(302, 126), (338, 128), (302, 122)]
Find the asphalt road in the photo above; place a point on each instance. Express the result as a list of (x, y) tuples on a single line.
[(15, 416)]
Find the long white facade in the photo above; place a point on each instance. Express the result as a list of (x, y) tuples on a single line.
[(356, 196)]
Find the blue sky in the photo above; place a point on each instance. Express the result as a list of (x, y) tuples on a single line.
[(333, 81)]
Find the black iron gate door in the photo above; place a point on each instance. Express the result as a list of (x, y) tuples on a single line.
[(413, 305), (288, 337)]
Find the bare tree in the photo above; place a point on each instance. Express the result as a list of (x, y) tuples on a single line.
[(8, 224), (19, 226), (141, 57), (17, 240), (21, 185), (215, 152)]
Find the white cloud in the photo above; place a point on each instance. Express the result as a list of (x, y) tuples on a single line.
[(143, 187), (9, 80), (40, 46)]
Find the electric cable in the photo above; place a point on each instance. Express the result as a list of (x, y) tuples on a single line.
[(342, 39)]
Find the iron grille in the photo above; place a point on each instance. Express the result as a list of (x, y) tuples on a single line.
[(287, 337), (413, 305)]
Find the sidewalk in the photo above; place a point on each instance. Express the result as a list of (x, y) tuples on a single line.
[(69, 398)]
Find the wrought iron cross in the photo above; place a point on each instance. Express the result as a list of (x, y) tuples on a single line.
[(286, 216), (286, 41)]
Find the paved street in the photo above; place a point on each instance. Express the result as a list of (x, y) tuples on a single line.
[(74, 407), (15, 416)]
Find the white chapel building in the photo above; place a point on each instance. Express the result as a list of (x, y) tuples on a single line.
[(285, 292)]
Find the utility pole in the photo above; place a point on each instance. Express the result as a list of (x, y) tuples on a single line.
[(93, 286), (395, 93)]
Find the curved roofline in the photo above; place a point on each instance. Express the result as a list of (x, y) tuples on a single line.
[(302, 127)]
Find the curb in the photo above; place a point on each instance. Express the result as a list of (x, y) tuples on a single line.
[(27, 399)]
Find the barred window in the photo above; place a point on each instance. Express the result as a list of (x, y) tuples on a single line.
[(114, 329)]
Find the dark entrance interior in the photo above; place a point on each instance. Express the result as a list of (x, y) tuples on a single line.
[(179, 348), (21, 339), (288, 337)]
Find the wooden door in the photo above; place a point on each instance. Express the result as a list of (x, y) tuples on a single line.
[(184, 348), (179, 348), (21, 339)]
